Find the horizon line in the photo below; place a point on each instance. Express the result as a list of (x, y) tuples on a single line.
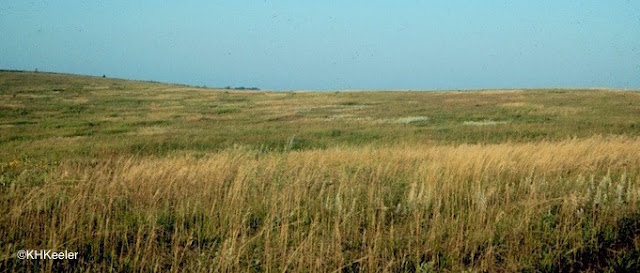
[(248, 89)]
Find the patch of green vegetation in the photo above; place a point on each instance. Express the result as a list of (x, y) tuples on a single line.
[(226, 110), (363, 118)]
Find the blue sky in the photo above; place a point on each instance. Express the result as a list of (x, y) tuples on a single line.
[(331, 45)]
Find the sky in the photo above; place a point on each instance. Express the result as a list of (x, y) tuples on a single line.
[(331, 45)]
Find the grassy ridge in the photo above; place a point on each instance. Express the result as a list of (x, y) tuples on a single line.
[(91, 117), (172, 178)]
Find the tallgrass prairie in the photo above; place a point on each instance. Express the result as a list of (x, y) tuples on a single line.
[(150, 177)]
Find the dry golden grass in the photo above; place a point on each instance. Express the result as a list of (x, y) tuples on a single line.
[(500, 208)]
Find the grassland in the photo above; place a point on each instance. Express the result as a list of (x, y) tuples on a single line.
[(140, 176)]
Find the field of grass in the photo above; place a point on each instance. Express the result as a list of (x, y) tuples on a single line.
[(143, 176)]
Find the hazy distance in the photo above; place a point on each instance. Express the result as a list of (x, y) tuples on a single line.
[(331, 45)]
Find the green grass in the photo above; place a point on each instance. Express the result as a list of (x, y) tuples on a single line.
[(122, 115)]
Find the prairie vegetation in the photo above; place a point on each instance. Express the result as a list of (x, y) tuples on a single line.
[(140, 176)]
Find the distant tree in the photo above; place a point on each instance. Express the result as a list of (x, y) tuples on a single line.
[(104, 76), (246, 88)]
